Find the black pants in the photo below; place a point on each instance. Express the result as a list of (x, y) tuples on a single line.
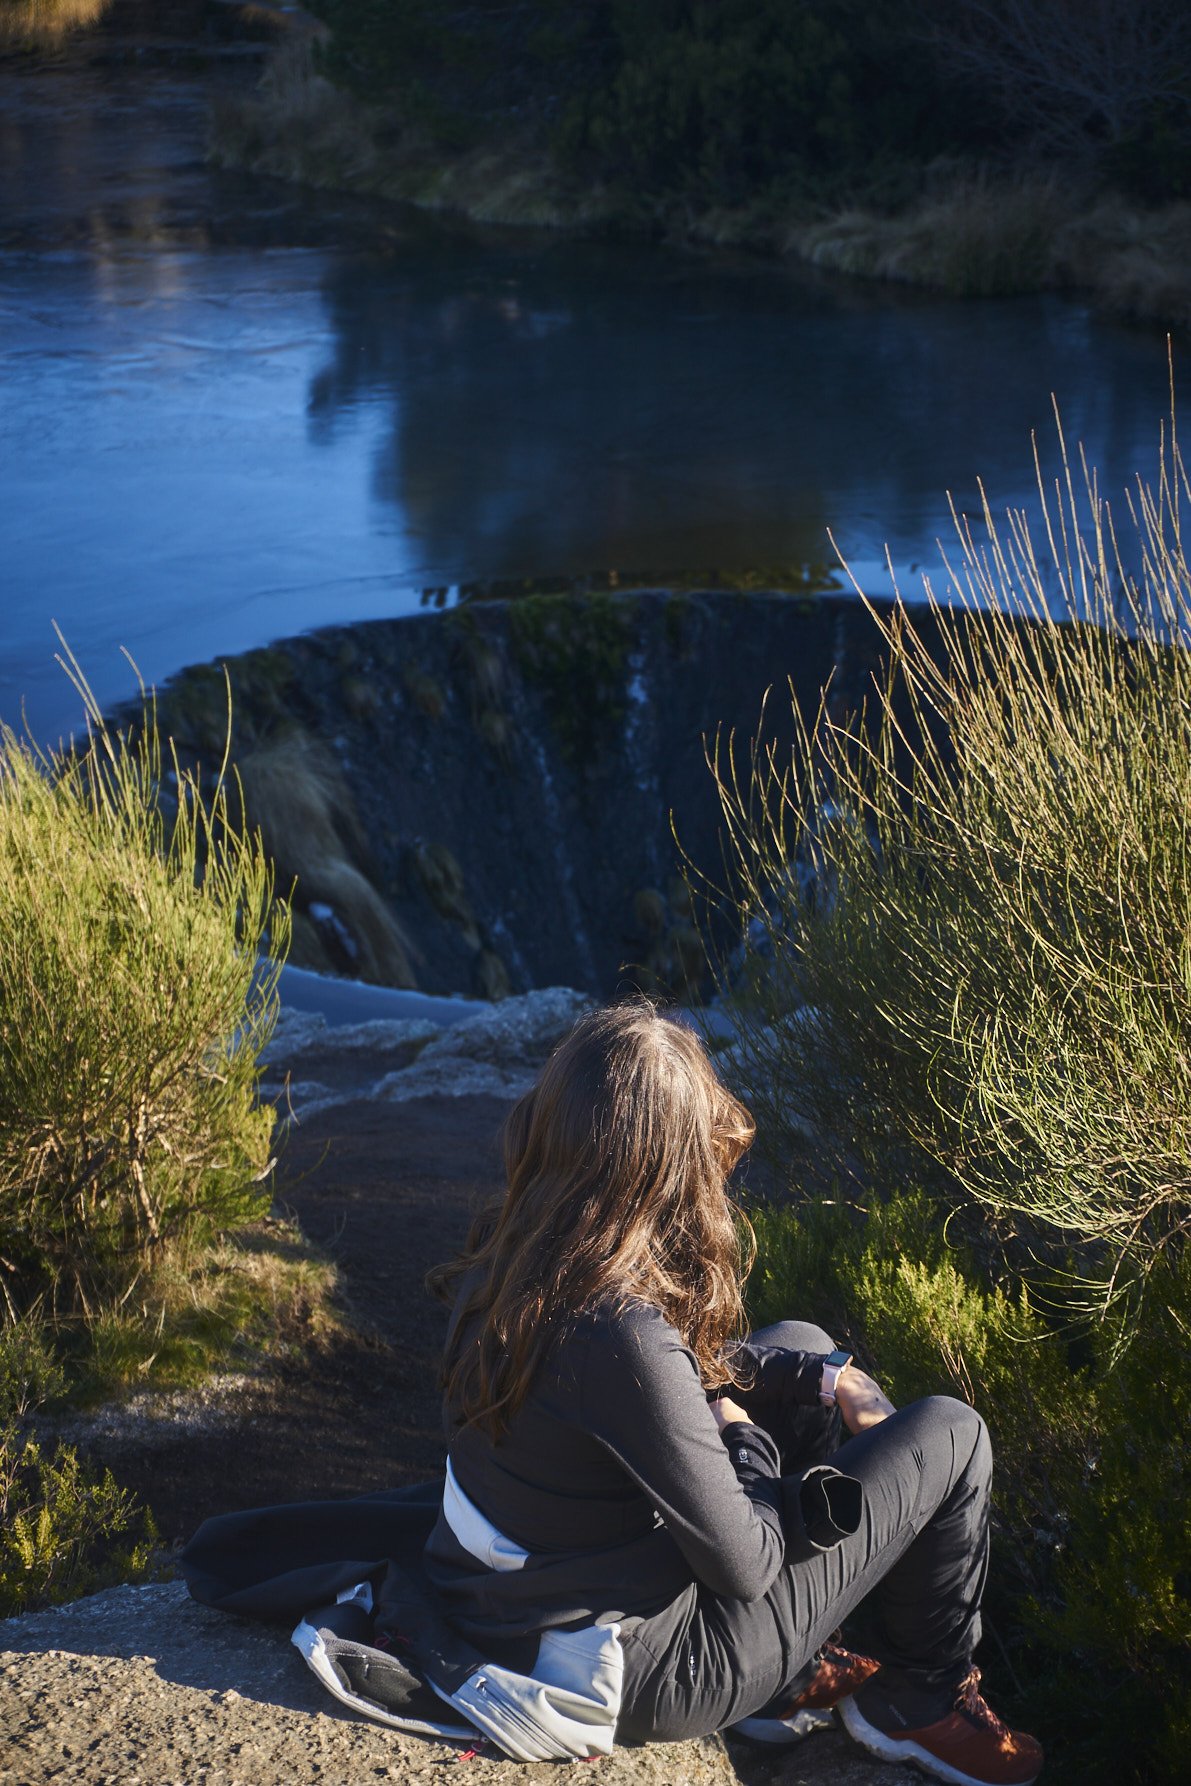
[(921, 1551)]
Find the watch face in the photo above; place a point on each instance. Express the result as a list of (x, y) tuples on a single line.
[(838, 1359)]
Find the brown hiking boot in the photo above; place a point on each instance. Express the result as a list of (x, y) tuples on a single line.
[(838, 1673), (970, 1746)]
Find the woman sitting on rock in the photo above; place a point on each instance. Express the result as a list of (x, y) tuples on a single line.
[(640, 1519)]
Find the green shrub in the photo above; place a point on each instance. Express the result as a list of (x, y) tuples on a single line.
[(717, 101), (31, 1372), (674, 102), (974, 899), (65, 1529), (1089, 1609), (921, 1315), (133, 1151), (132, 1012), (964, 913)]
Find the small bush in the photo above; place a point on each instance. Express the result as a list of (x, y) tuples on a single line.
[(1089, 1614), (31, 1372), (132, 1012), (65, 1529), (135, 1161), (972, 899), (964, 965), (717, 102)]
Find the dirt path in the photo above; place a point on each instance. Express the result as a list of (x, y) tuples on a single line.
[(387, 1191)]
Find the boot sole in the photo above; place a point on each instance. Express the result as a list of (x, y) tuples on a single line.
[(780, 1731), (892, 1748)]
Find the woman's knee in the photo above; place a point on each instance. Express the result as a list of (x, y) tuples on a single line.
[(957, 1422), (794, 1336)]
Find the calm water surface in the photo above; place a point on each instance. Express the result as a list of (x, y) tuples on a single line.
[(224, 419)]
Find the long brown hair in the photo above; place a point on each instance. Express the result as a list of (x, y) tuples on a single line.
[(617, 1161)]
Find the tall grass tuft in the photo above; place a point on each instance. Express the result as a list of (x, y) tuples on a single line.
[(992, 233), (132, 1012), (39, 23), (969, 902), (982, 238)]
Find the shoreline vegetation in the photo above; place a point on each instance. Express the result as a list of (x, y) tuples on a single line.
[(1018, 148), (138, 1248), (653, 148), (45, 24)]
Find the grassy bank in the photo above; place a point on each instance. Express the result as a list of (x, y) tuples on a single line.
[(768, 127), (301, 126), (992, 236), (981, 234)]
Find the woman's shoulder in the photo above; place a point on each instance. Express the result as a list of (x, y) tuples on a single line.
[(628, 1327)]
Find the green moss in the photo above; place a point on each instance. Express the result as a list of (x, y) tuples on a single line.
[(575, 649), (193, 709), (262, 682)]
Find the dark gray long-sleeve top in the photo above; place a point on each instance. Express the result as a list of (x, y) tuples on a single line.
[(615, 1478)]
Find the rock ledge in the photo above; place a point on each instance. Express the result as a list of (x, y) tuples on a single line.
[(144, 1687)]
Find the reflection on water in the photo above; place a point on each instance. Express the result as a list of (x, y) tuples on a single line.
[(204, 445), (567, 408)]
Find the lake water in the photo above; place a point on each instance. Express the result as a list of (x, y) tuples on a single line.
[(229, 413)]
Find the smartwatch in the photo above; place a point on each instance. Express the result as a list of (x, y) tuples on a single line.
[(833, 1364)]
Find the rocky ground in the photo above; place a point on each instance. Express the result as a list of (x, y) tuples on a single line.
[(391, 1145), (142, 1687)]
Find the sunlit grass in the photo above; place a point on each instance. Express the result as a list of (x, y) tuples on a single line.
[(991, 235), (992, 964), (233, 1305), (37, 22)]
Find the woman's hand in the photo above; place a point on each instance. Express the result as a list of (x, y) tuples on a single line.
[(724, 1412), (861, 1402)]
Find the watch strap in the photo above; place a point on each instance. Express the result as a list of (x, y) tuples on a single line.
[(833, 1364)]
